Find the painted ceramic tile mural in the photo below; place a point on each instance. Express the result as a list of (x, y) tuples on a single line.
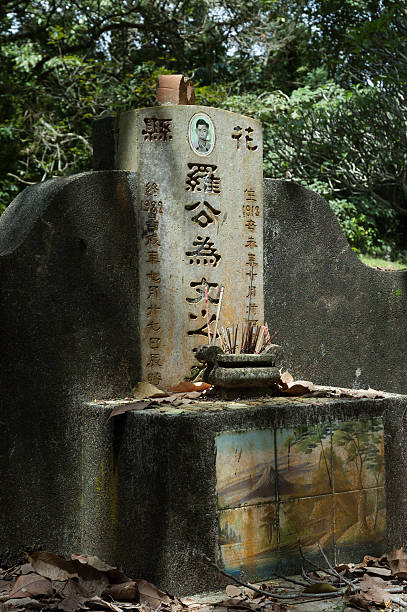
[(248, 538), (325, 482), (360, 517), (308, 521), (304, 461), (245, 467), (358, 455)]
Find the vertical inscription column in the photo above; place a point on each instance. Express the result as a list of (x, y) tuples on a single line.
[(199, 205), (251, 202), (151, 209)]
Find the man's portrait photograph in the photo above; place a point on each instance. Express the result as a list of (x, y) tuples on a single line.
[(201, 134)]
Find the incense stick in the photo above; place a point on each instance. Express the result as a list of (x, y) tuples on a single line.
[(207, 315), (217, 314)]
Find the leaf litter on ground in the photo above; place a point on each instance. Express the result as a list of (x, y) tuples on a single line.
[(83, 582)]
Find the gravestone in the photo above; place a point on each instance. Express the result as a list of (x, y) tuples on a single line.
[(200, 227)]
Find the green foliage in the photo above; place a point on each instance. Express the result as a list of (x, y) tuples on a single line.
[(327, 78)]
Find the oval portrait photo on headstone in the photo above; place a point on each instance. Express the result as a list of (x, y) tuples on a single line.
[(201, 134)]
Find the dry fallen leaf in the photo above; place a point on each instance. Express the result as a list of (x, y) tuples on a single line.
[(397, 561), (144, 390), (92, 581), (236, 603), (31, 585), (139, 405), (233, 591), (299, 387), (358, 600), (127, 591), (96, 603), (95, 562), (23, 603), (150, 594), (54, 567), (321, 587), (373, 591), (72, 596), (285, 379), (184, 386), (379, 571)]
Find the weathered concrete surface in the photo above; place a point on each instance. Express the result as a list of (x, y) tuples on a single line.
[(341, 323), (69, 329), (164, 488)]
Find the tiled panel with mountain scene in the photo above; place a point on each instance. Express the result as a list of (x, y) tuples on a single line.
[(245, 468)]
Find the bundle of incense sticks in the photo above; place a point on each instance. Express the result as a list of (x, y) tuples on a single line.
[(253, 339)]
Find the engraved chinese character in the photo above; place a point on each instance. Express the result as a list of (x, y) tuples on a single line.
[(154, 326), (151, 224), (200, 290), (152, 310), (157, 129), (153, 257), (251, 309), (201, 177), (154, 343), (203, 329), (251, 259), (154, 360), (237, 134), (249, 139), (251, 243), (154, 378), (205, 252), (154, 277), (251, 225), (151, 189), (203, 218), (252, 291), (151, 239), (250, 195), (251, 274), (153, 292)]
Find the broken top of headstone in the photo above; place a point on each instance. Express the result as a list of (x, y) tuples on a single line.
[(175, 89)]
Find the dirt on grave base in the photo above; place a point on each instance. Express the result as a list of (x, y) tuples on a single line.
[(81, 582)]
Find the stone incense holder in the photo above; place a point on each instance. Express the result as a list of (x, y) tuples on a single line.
[(240, 375)]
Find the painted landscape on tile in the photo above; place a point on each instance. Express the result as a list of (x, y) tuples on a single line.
[(327, 481), (245, 467), (360, 517), (304, 461), (248, 539), (306, 521), (358, 458)]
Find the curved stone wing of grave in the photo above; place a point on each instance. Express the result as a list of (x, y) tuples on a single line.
[(341, 322), (69, 287)]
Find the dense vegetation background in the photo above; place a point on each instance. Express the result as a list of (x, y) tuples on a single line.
[(327, 78)]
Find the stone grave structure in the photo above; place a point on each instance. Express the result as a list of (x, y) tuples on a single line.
[(103, 279)]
